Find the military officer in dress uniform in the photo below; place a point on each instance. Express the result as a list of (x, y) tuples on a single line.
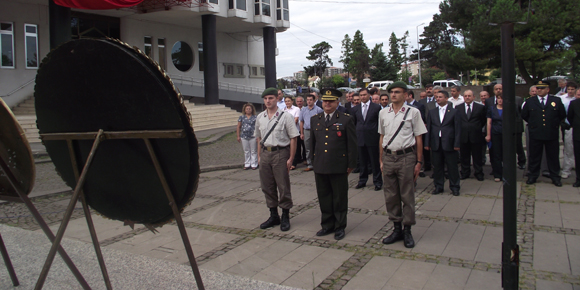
[(334, 155), (544, 114), (401, 128)]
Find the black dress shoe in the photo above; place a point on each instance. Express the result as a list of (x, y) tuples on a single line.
[(377, 188), (576, 184), (421, 174), (285, 222), (464, 177), (324, 232), (523, 166), (360, 185), (356, 170), (480, 178), (455, 192), (557, 183), (531, 181), (339, 234), (274, 220), (437, 191)]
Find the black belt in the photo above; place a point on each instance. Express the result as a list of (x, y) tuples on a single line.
[(274, 148), (400, 152)]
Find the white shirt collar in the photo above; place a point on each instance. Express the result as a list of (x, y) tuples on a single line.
[(442, 108)]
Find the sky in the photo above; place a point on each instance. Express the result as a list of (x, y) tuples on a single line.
[(314, 21)]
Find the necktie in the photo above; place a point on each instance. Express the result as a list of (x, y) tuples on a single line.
[(542, 101), (364, 111), (468, 111), (327, 120)]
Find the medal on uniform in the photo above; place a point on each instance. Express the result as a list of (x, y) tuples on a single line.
[(339, 133), (553, 104)]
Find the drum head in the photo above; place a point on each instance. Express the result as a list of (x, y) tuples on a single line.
[(16, 153), (86, 85)]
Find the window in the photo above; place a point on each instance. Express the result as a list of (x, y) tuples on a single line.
[(161, 53), (234, 70), (200, 52), (31, 45), (239, 4), (148, 48), (7, 44), (262, 6), (282, 12), (182, 56), (257, 71)]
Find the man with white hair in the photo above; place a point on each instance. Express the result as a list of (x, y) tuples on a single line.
[(568, 160), (561, 87)]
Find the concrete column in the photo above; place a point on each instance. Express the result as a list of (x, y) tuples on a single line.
[(210, 64), (270, 56), (58, 24)]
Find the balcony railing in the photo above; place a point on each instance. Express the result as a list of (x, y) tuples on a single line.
[(186, 80)]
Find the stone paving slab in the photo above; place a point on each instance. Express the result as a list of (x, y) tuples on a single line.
[(465, 242), (550, 252), (232, 214)]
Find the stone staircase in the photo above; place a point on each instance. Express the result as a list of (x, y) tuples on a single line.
[(203, 117)]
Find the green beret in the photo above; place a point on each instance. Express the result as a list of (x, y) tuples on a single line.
[(270, 91), (397, 84)]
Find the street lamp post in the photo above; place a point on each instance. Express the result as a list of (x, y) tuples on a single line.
[(419, 54)]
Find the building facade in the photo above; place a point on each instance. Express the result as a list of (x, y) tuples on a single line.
[(172, 32)]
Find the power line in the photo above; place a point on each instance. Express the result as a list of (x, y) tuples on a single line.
[(298, 38), (293, 24)]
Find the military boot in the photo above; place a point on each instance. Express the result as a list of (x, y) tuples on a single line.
[(408, 240), (273, 220), (285, 224), (397, 235)]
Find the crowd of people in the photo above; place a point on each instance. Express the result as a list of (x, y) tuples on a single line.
[(398, 139)]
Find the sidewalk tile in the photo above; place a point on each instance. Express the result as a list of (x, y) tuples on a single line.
[(570, 215), (480, 209), (218, 173), (367, 199), (237, 255), (235, 214), (447, 278), (375, 274), (489, 250), (547, 214), (411, 275), (550, 252), (436, 203), (573, 243), (551, 285), (435, 240), (456, 207), (483, 280), (464, 242), (364, 231), (105, 228), (316, 271), (497, 212)]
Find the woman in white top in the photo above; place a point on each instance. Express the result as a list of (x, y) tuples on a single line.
[(295, 112)]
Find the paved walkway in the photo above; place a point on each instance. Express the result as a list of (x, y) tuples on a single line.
[(458, 239)]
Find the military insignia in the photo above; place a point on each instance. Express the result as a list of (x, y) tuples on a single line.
[(328, 93), (402, 109), (339, 133), (553, 104), (276, 114)]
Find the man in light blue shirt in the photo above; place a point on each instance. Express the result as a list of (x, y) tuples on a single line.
[(305, 114), (281, 103)]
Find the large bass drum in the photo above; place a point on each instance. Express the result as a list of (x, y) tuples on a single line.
[(86, 85)]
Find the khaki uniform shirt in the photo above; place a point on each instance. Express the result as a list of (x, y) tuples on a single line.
[(284, 131), (389, 122)]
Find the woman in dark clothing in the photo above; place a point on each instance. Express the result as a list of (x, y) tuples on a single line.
[(494, 134)]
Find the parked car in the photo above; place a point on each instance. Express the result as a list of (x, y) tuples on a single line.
[(381, 85), (345, 89), (289, 92), (447, 83)]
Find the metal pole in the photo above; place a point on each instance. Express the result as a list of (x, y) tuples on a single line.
[(510, 248), (419, 55), (8, 263)]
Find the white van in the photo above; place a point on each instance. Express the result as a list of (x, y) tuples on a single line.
[(448, 83), (381, 85)]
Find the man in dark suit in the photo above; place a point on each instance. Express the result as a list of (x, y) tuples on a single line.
[(544, 114), (473, 119), (410, 100), (428, 99), (443, 139), (574, 120), (334, 154), (366, 117), (348, 104)]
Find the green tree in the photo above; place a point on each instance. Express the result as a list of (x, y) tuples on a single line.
[(381, 69), (318, 54), (338, 81), (359, 60), (346, 51)]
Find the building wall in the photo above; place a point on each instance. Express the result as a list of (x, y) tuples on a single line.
[(12, 78)]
